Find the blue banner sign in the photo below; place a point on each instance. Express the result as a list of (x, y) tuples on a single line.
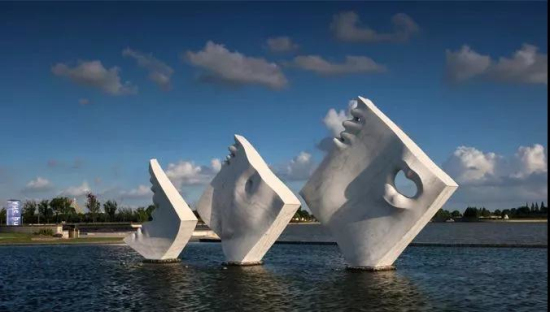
[(13, 216)]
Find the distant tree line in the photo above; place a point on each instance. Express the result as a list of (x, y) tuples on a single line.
[(533, 211), (303, 216), (61, 209)]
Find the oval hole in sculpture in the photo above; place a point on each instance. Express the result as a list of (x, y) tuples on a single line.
[(403, 185)]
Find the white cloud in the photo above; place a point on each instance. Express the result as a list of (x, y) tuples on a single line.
[(216, 164), (38, 185), (281, 44), (77, 191), (299, 168), (530, 160), (334, 119), (139, 192), (159, 72), (495, 180), (234, 68), (93, 74), (526, 66), (346, 26), (185, 173), (468, 164), (465, 64), (351, 65)]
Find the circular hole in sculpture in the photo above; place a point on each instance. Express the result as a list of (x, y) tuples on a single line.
[(404, 186)]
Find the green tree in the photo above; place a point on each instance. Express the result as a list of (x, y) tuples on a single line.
[(543, 208), (497, 213), (456, 214), (471, 213), (141, 215), (61, 206), (44, 210), (442, 215), (125, 215), (3, 215), (110, 208), (29, 210), (149, 211), (93, 205)]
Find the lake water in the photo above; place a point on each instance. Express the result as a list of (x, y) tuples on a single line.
[(445, 233), (293, 278)]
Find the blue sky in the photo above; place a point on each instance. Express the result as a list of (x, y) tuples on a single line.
[(466, 80)]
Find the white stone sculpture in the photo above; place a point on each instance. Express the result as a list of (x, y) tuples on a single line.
[(246, 205), (163, 238), (353, 190)]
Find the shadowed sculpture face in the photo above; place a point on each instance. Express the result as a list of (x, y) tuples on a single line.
[(353, 190), (239, 205)]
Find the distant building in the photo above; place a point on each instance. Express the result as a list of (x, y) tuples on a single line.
[(74, 204)]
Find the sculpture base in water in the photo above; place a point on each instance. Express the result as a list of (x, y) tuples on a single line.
[(235, 263), (161, 261), (371, 269)]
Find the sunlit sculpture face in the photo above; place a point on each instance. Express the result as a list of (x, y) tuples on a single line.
[(353, 190), (173, 221), (246, 205)]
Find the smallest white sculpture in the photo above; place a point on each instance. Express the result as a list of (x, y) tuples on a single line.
[(163, 238)]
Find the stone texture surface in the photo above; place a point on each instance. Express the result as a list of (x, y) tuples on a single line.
[(173, 222), (353, 190), (246, 205)]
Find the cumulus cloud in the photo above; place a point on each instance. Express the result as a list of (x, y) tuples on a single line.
[(333, 122), (93, 74), (486, 177), (159, 72), (530, 160), (77, 191), (223, 66), (185, 173), (216, 164), (281, 44), (466, 63), (139, 192), (527, 65), (299, 168), (468, 164), (333, 119), (346, 26), (351, 65), (38, 185)]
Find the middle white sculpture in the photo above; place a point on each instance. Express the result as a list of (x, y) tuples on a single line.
[(246, 205)]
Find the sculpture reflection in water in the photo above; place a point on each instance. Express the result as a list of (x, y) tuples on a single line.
[(246, 205), (353, 190), (163, 238)]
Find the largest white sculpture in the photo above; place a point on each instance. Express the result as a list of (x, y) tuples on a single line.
[(163, 238), (246, 205), (353, 190)]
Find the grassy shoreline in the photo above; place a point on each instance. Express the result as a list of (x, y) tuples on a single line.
[(9, 239)]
